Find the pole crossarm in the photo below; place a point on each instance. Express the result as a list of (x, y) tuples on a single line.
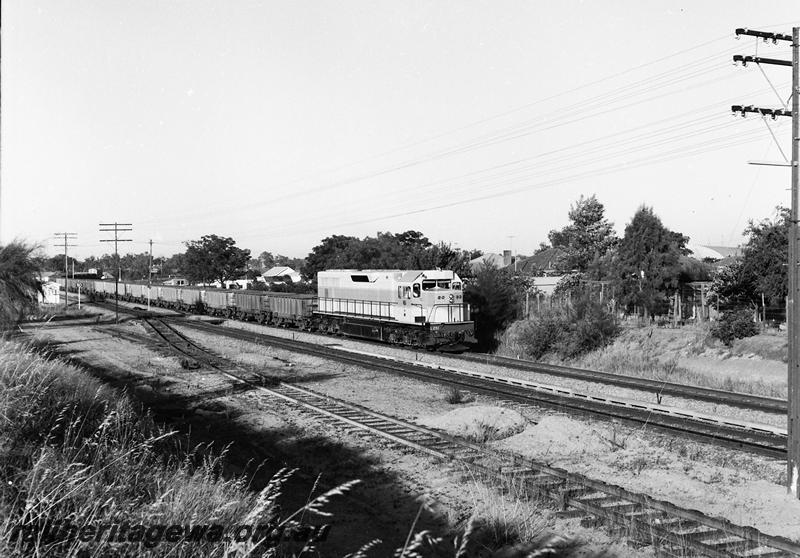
[(66, 237), (766, 35), (746, 59), (773, 112), (116, 228), (793, 264)]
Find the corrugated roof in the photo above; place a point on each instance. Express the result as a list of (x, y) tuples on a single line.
[(714, 252), (278, 271), (491, 259), (546, 260)]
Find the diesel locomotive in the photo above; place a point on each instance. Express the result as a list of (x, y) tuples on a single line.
[(418, 308)]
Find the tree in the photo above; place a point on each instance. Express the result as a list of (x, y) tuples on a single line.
[(406, 250), (647, 263), (19, 282), (214, 258), (331, 253), (135, 266), (764, 256), (266, 260), (444, 256), (588, 237), (494, 296), (56, 263), (174, 265)]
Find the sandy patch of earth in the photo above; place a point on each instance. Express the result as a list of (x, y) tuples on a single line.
[(478, 422), (716, 482)]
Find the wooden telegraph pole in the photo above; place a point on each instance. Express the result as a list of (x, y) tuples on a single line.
[(66, 237), (149, 274), (116, 228), (793, 302)]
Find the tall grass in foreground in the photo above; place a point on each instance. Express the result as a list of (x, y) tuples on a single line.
[(73, 450)]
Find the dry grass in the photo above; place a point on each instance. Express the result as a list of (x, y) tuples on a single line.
[(506, 521), (455, 396), (638, 353), (74, 450), (646, 363)]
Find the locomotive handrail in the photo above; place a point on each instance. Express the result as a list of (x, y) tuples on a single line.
[(336, 307)]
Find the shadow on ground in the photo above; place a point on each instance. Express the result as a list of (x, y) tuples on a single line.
[(381, 507)]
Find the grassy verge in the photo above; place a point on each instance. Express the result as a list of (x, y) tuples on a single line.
[(74, 453), (646, 364), (636, 354)]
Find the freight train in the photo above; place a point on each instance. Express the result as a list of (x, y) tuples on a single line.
[(419, 308)]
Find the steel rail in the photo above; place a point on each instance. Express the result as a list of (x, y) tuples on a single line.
[(766, 441), (669, 528), (657, 387)]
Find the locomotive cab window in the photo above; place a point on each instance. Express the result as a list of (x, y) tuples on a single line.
[(416, 290), (428, 285), (443, 284), (399, 291), (456, 286), (407, 292)]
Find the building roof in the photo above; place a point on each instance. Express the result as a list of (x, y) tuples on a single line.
[(714, 252), (546, 260), (279, 272), (487, 259)]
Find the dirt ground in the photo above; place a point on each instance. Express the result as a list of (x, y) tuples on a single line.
[(263, 435), (743, 488)]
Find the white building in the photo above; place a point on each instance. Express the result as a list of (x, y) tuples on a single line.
[(280, 274)]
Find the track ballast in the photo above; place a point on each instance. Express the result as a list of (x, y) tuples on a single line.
[(670, 529)]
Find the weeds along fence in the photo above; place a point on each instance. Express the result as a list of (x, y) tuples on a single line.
[(691, 303)]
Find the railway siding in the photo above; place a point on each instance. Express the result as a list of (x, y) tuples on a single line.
[(668, 528), (763, 440)]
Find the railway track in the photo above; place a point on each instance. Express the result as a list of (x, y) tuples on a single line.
[(671, 530), (762, 440), (657, 387)]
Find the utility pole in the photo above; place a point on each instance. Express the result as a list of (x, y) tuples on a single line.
[(66, 237), (793, 310), (149, 274), (511, 242), (117, 228)]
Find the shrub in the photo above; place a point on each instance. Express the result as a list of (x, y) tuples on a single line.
[(454, 396), (737, 324), (570, 332)]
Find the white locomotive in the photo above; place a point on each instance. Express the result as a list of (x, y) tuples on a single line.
[(416, 307)]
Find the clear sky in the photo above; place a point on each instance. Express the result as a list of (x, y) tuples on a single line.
[(280, 123)]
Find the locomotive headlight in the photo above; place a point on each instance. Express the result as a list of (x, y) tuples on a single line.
[(452, 298)]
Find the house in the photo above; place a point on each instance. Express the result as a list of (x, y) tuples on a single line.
[(50, 293), (542, 264), (719, 256), (176, 281), (281, 274), (495, 260)]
